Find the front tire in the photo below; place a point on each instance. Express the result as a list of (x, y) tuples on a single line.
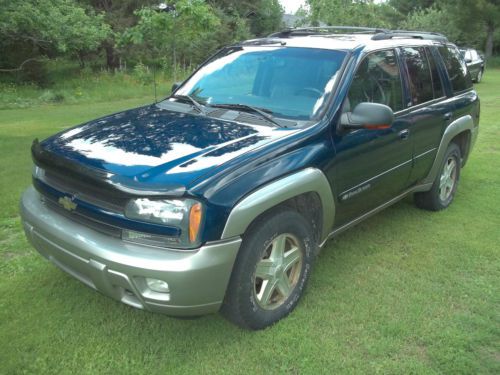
[(271, 270), (445, 185)]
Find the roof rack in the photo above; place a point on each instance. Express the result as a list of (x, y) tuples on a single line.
[(379, 34), (389, 34), (304, 31)]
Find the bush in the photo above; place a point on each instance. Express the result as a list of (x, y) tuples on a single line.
[(48, 96), (143, 74), (493, 62)]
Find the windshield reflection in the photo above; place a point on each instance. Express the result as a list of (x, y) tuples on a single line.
[(292, 83)]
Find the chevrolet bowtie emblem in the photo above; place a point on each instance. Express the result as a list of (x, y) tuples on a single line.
[(67, 203)]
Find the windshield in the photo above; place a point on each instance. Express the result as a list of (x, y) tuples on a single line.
[(287, 82)]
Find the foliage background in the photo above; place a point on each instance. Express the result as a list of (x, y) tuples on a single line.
[(139, 35)]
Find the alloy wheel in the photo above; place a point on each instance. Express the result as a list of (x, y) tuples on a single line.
[(448, 179), (278, 271)]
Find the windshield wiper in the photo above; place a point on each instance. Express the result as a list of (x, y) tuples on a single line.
[(193, 101), (249, 108)]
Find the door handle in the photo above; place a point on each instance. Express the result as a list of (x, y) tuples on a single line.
[(404, 134), (448, 116)]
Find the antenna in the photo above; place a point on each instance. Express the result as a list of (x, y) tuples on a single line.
[(154, 81)]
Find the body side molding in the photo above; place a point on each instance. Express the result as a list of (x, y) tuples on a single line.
[(305, 181), (464, 123)]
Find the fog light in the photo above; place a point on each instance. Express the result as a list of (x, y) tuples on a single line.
[(156, 285)]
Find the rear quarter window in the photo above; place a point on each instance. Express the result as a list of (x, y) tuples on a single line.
[(457, 70)]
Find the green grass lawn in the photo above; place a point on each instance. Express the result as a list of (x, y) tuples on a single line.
[(66, 83), (407, 291)]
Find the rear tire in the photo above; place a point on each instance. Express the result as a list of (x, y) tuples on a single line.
[(479, 76), (445, 185), (271, 270)]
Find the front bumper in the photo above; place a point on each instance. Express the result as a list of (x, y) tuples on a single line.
[(197, 279)]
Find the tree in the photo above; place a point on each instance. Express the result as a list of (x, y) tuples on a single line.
[(267, 17), (30, 29), (263, 16), (433, 19), (485, 13), (232, 28), (119, 15), (174, 32), (348, 13), (405, 7)]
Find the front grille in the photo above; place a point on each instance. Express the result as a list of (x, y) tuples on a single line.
[(46, 181), (85, 191), (83, 220)]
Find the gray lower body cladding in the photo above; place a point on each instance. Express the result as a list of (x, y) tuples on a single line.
[(197, 279)]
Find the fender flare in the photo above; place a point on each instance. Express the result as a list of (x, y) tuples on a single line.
[(458, 126), (276, 192)]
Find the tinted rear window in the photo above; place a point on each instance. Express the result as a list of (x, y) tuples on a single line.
[(436, 79), (419, 73), (457, 70)]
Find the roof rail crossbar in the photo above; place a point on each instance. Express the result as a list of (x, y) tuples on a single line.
[(379, 34), (389, 34), (318, 30)]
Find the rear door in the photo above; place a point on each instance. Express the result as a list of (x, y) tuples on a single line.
[(429, 108), (462, 96)]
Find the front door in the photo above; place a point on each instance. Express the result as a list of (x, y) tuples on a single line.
[(372, 166)]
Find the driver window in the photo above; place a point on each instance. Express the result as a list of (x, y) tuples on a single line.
[(377, 80)]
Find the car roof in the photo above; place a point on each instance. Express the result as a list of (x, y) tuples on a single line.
[(331, 38)]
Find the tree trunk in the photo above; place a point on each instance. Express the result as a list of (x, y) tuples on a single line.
[(81, 59), (488, 50), (112, 60)]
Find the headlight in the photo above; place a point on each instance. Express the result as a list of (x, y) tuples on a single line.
[(38, 172), (185, 214)]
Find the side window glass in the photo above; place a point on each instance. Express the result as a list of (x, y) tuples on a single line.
[(377, 80), (457, 70), (420, 80), (436, 79)]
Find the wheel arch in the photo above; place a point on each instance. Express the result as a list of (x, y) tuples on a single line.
[(463, 141), (461, 131), (308, 191)]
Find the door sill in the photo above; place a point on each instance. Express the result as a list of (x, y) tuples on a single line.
[(344, 227)]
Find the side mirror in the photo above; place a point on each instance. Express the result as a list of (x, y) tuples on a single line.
[(175, 86), (368, 116)]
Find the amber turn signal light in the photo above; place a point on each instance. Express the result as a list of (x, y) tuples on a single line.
[(377, 127), (194, 221)]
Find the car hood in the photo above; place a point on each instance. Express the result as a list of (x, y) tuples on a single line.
[(154, 145)]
